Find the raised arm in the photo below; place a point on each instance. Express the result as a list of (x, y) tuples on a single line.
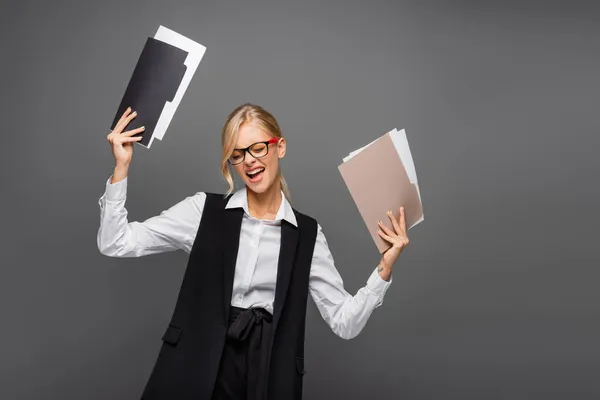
[(175, 228), (344, 313)]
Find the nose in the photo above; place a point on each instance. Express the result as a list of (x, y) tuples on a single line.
[(249, 159)]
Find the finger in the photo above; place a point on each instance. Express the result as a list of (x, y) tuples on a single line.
[(395, 223), (123, 116), (386, 237), (133, 131), (385, 228), (127, 120), (131, 139), (402, 220), (119, 128)]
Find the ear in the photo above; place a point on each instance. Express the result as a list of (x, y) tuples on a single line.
[(281, 148)]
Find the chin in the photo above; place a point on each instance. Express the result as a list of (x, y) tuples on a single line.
[(259, 187)]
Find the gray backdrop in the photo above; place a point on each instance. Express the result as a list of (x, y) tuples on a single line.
[(496, 297)]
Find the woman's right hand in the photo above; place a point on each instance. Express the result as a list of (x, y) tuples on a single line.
[(122, 142)]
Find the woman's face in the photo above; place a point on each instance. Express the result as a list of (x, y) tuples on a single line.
[(260, 182)]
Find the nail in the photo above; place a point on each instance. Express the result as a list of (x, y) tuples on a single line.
[(143, 127)]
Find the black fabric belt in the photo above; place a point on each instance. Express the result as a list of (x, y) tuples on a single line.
[(242, 321), (248, 339)]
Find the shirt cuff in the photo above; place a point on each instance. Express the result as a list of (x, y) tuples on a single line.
[(116, 191), (378, 285)]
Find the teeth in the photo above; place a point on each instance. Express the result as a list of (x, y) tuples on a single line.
[(256, 171)]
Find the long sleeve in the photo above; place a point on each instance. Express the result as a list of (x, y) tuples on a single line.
[(345, 314), (175, 228)]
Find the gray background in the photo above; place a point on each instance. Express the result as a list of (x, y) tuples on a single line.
[(496, 297)]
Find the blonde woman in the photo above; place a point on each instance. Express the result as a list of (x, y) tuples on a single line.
[(237, 331)]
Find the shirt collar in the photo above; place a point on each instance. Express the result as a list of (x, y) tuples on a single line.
[(240, 199)]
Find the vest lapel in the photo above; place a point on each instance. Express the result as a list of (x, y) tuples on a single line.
[(230, 243), (287, 254)]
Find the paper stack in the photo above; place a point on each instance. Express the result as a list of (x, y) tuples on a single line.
[(161, 76), (381, 176)]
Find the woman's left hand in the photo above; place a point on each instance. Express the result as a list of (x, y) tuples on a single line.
[(397, 238)]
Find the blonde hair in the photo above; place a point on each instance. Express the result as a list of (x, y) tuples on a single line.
[(247, 113)]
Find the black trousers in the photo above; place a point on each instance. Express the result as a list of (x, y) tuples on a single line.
[(243, 368)]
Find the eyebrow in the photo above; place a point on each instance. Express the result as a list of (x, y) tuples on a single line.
[(260, 141)]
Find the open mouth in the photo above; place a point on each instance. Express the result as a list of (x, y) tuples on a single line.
[(255, 175)]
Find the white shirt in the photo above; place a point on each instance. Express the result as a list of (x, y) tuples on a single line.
[(257, 259)]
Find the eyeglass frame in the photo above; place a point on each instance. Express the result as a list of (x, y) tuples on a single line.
[(247, 150)]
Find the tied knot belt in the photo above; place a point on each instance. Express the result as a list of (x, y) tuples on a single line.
[(247, 352), (243, 321)]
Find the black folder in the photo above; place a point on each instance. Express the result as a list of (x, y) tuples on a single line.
[(155, 80)]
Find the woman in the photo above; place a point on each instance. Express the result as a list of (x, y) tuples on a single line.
[(237, 331)]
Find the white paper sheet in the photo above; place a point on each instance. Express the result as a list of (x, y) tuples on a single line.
[(355, 152), (401, 144)]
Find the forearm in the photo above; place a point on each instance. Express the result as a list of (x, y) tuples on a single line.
[(120, 173), (345, 314), (385, 272), (114, 237), (117, 237), (349, 319)]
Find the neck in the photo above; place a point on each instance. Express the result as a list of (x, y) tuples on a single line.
[(265, 205)]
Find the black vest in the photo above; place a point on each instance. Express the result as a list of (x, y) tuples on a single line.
[(188, 361)]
